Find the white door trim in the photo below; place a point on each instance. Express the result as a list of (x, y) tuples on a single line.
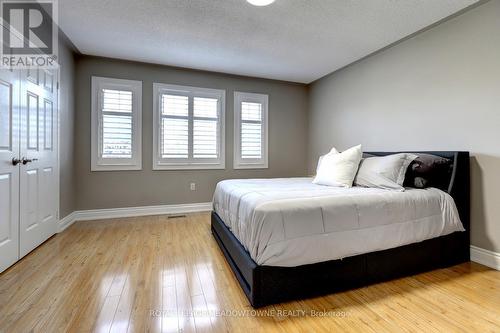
[(58, 145)]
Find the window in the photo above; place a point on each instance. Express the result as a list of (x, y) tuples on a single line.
[(250, 131), (116, 124), (188, 128)]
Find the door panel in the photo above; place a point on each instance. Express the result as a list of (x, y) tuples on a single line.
[(32, 107), (32, 75), (5, 115), (31, 199), (48, 120), (48, 81), (39, 189), (47, 201), (6, 208), (9, 174)]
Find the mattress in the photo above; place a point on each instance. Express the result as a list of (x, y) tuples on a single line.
[(291, 222)]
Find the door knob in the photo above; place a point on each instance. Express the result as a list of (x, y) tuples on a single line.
[(15, 161), (26, 160)]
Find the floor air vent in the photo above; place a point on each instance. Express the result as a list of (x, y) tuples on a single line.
[(176, 216)]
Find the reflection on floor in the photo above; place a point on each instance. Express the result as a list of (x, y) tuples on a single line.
[(158, 274)]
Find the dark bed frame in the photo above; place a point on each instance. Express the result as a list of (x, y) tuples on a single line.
[(265, 285)]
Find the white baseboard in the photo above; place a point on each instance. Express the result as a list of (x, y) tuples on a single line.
[(98, 214), (67, 221), (485, 257)]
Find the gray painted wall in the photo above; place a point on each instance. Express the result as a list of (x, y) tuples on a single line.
[(67, 184), (439, 90), (287, 137)]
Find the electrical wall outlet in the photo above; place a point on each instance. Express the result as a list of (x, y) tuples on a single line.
[(192, 186)]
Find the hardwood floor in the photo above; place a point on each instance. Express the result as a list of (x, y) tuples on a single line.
[(159, 274)]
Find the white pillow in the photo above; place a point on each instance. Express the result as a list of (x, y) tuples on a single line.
[(338, 169), (332, 151), (386, 172)]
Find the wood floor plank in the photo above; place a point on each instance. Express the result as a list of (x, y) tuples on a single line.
[(158, 274)]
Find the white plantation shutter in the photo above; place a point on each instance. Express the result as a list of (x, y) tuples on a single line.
[(250, 130), (116, 124), (188, 126), (174, 126), (205, 120)]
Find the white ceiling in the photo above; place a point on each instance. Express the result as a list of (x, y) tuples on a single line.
[(293, 40)]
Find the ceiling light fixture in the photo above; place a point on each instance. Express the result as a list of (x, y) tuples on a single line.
[(260, 3)]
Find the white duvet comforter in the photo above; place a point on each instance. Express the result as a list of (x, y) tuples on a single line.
[(291, 222)]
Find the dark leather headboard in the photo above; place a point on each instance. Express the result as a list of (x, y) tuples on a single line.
[(459, 187)]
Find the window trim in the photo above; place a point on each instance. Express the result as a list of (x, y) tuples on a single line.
[(106, 164), (189, 164), (238, 162)]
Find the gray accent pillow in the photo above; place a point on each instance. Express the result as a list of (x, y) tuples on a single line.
[(387, 172)]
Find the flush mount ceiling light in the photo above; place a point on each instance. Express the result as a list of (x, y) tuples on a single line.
[(260, 2)]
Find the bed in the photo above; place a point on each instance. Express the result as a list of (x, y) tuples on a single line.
[(289, 239)]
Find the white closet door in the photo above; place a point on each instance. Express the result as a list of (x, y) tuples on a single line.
[(9, 173), (39, 174)]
